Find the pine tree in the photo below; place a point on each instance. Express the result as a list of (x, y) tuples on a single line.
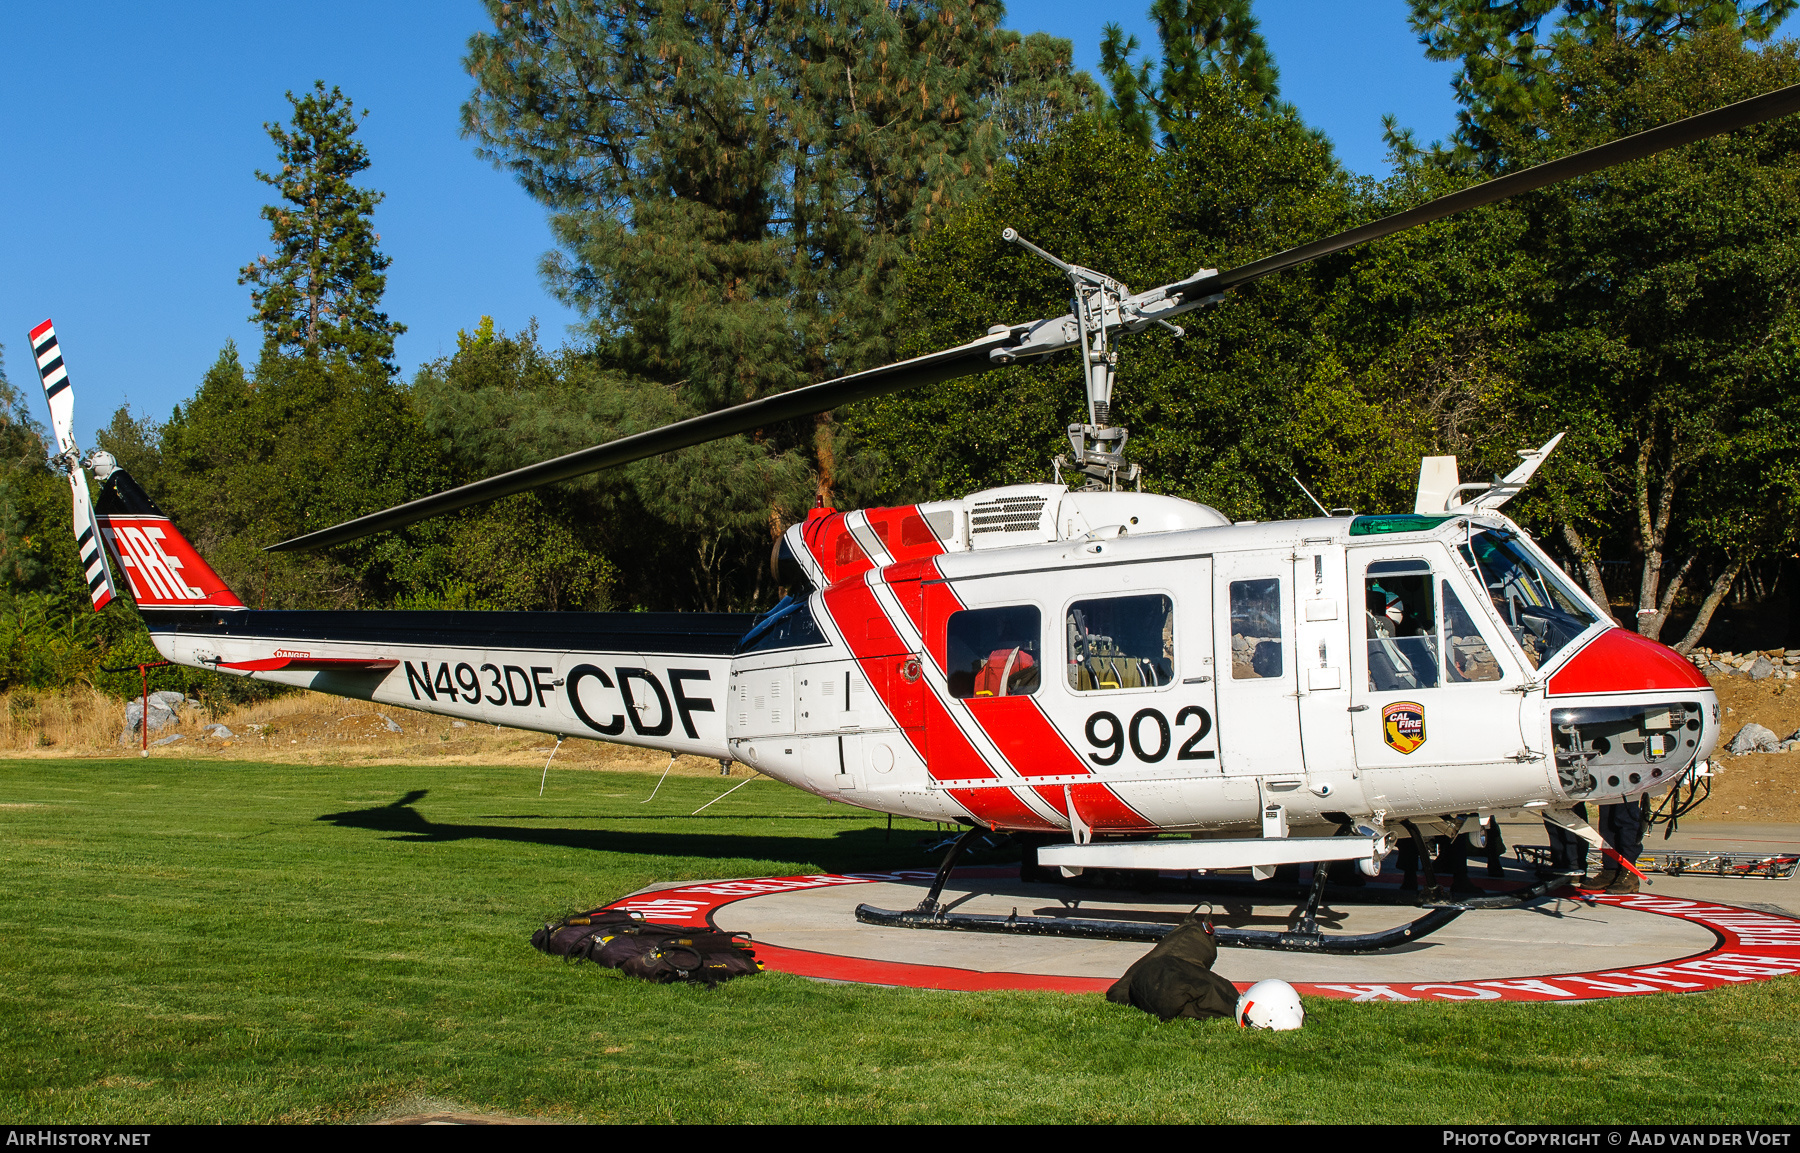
[(734, 187), (1201, 41), (320, 294), (1512, 50)]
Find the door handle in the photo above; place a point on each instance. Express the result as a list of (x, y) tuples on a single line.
[(1357, 709)]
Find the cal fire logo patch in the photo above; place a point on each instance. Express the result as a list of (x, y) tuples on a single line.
[(1403, 725)]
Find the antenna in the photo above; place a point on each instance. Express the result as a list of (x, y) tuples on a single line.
[(1310, 496)]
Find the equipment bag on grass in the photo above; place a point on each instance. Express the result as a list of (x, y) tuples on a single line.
[(654, 952), (1175, 979), (575, 935)]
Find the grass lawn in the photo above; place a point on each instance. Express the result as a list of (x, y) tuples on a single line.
[(208, 941)]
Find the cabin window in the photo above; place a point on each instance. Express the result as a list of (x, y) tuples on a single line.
[(993, 652), (1401, 618), (1256, 629), (1467, 656), (1121, 643)]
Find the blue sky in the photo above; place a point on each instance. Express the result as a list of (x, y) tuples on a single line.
[(130, 134)]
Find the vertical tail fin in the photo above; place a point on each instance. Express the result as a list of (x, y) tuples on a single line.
[(163, 568)]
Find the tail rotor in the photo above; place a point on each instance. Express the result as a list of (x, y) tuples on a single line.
[(61, 398)]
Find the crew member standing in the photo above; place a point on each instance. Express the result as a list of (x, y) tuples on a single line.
[(1622, 826)]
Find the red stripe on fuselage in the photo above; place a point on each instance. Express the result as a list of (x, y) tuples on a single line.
[(902, 532), (1031, 744), (1018, 726), (878, 649)]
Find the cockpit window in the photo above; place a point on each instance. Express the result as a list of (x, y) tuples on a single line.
[(1530, 595), (788, 625), (1401, 621)]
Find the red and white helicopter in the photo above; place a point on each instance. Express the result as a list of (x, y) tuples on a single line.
[(1093, 668)]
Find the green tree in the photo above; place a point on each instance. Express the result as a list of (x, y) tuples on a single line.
[(690, 530), (1200, 42), (1512, 51), (1670, 338), (1213, 417), (1036, 91), (734, 187), (320, 294), (297, 445)]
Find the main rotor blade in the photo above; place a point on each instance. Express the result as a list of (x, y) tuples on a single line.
[(963, 360), (1757, 109)]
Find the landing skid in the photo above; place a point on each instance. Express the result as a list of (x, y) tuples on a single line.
[(1302, 936), (1292, 942)]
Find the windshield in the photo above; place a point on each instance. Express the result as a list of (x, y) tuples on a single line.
[(1530, 595), (788, 625)]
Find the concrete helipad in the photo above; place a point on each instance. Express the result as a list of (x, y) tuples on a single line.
[(1681, 934)]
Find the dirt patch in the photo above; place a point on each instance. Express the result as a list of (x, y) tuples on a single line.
[(1757, 786)]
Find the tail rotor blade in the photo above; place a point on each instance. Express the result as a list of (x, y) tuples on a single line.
[(55, 376), (88, 541)]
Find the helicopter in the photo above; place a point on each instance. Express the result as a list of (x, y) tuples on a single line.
[(1122, 679)]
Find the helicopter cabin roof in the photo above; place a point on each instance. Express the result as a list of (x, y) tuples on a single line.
[(1109, 545), (1048, 525)]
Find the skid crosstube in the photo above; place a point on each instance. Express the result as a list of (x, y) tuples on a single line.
[(1136, 931)]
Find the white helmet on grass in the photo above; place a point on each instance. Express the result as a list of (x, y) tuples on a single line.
[(1270, 1005)]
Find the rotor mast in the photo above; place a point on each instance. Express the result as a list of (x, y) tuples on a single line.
[(1100, 307)]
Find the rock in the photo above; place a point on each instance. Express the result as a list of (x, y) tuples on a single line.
[(167, 740), (170, 699), (458, 725), (160, 716), (1753, 738), (389, 722), (1760, 670), (219, 731)]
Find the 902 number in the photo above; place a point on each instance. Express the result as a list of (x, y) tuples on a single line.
[(1145, 722)]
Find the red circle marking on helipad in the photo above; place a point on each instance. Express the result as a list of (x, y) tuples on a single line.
[(1750, 945)]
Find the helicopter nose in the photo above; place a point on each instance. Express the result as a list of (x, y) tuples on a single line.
[(1621, 661)]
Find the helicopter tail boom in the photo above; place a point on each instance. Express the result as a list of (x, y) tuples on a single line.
[(656, 680)]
